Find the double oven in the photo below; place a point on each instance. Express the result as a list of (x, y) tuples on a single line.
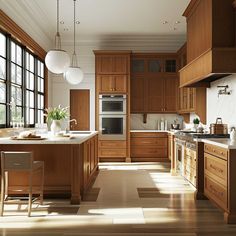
[(112, 117)]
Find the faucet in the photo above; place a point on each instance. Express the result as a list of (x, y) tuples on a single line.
[(70, 121), (223, 90)]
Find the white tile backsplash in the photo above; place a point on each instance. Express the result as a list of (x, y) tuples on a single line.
[(223, 106), (136, 121)]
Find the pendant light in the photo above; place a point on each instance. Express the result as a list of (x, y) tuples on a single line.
[(74, 75), (57, 60)]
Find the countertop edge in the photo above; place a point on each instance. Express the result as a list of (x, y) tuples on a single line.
[(66, 141), (219, 142)]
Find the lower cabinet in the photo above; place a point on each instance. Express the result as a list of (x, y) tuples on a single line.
[(90, 161), (220, 178), (189, 166), (149, 146), (112, 150)]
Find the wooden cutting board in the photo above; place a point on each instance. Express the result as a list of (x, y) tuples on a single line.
[(36, 138)]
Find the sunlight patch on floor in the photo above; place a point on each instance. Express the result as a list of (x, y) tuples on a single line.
[(121, 215)]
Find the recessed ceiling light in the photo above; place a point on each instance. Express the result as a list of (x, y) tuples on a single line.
[(177, 22), (62, 22), (77, 22), (165, 22), (66, 29)]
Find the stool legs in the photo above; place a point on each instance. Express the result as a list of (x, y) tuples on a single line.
[(2, 193), (42, 184), (30, 194)]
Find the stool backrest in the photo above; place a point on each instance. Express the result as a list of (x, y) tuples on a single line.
[(16, 161)]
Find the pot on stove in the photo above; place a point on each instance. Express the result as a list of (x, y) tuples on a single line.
[(219, 127)]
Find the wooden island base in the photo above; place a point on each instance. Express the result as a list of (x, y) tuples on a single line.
[(69, 168)]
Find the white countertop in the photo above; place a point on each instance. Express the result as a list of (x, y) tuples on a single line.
[(50, 139), (220, 142), (153, 131)]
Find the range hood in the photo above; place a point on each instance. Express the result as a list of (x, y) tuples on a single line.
[(211, 42), (212, 65)]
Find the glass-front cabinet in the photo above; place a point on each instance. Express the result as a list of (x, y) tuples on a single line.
[(153, 63)]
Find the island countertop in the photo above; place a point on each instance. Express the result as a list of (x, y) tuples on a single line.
[(220, 142), (50, 139)]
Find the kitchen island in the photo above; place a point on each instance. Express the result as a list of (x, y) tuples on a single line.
[(70, 163)]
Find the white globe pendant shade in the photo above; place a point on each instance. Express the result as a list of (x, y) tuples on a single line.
[(74, 75), (57, 61)]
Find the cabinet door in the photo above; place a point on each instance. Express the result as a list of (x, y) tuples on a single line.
[(120, 65), (138, 66), (137, 94), (171, 94), (105, 83), (111, 64), (155, 94), (183, 99), (104, 64), (154, 66), (170, 65), (191, 99), (120, 83)]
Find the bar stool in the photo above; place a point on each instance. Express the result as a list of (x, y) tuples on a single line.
[(20, 161)]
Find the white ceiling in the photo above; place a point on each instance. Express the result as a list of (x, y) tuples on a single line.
[(100, 19)]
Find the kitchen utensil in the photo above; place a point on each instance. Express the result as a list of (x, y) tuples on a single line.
[(175, 126), (218, 127)]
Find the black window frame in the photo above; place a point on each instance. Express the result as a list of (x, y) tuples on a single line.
[(8, 82)]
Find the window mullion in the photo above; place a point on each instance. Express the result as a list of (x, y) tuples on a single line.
[(8, 81), (24, 85)]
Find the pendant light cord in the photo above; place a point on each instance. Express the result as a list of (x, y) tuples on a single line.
[(74, 57), (58, 16), (74, 26), (57, 36)]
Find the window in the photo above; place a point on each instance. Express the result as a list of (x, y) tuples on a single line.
[(21, 84)]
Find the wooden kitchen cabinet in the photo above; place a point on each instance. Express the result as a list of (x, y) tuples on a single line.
[(154, 94), (137, 93), (190, 165), (149, 146), (90, 163), (191, 100), (112, 149), (111, 63), (220, 178), (113, 77), (210, 42), (112, 83), (154, 83)]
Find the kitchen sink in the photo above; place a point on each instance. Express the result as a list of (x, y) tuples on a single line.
[(80, 132)]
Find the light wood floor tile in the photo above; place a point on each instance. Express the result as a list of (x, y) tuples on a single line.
[(126, 199)]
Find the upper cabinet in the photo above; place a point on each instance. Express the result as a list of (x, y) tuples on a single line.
[(153, 63), (191, 100), (112, 64), (112, 71), (211, 50), (154, 83), (112, 83)]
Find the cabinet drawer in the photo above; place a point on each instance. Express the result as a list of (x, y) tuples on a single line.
[(148, 134), (111, 144), (216, 168), (189, 161), (149, 142), (216, 192), (148, 152), (190, 175), (104, 152), (216, 151), (191, 153)]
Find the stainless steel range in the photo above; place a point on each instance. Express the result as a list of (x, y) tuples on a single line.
[(189, 158)]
